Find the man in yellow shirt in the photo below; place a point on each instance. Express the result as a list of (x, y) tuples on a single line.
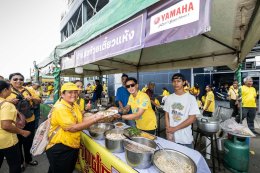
[(209, 106), (249, 103), (141, 107), (233, 98)]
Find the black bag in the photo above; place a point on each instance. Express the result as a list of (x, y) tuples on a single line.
[(23, 105)]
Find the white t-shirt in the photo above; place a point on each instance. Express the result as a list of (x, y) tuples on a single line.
[(179, 108)]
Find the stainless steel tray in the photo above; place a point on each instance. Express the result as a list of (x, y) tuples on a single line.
[(182, 158)]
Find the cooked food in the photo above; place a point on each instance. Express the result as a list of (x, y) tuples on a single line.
[(119, 124), (147, 135), (115, 136), (133, 131), (172, 164)]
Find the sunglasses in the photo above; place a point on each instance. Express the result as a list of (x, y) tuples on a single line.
[(16, 79), (131, 85)]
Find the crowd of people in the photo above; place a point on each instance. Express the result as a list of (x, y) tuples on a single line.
[(137, 108)]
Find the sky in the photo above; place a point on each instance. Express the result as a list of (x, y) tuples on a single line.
[(29, 31)]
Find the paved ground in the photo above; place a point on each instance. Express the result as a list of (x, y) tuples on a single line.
[(254, 166)]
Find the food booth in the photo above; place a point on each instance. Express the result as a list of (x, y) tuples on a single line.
[(155, 35)]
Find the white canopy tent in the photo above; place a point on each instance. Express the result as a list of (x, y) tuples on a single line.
[(235, 29)]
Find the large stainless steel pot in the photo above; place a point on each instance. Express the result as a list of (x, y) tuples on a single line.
[(208, 124), (115, 145), (99, 134), (171, 157), (140, 160)]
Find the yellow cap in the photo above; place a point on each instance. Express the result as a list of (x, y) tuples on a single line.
[(69, 87)]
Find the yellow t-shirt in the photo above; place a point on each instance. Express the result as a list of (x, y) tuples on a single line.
[(233, 93), (7, 112), (65, 115), (50, 88), (93, 87), (148, 120), (165, 93), (88, 89), (144, 89), (248, 97), (81, 103), (210, 97), (25, 94)]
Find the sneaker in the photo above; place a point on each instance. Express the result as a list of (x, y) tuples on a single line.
[(22, 168), (33, 163)]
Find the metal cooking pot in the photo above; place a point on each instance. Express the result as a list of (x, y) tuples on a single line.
[(140, 160), (169, 153), (115, 146), (100, 135), (208, 124)]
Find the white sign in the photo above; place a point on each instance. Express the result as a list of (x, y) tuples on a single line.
[(182, 13)]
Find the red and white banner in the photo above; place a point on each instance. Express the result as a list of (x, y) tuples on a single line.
[(184, 12)]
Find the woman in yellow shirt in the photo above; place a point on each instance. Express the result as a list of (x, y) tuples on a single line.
[(80, 101), (23, 98), (66, 124), (9, 147)]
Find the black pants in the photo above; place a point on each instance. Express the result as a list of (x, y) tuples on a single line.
[(249, 114), (13, 158), (234, 107), (26, 143), (207, 114), (37, 116), (62, 158)]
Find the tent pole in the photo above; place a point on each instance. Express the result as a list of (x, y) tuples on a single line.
[(239, 79), (56, 74)]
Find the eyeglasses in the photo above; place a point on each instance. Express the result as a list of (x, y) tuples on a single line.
[(131, 85), (16, 79)]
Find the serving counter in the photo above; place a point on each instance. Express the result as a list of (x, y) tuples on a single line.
[(94, 157)]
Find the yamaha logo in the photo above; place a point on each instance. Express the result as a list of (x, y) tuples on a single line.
[(156, 20)]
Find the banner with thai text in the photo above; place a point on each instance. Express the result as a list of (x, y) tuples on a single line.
[(94, 158)]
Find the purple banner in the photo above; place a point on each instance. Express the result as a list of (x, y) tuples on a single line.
[(176, 20), (125, 38)]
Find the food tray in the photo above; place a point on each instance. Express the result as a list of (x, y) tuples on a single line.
[(144, 134)]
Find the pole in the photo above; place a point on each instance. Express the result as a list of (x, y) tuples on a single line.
[(239, 79)]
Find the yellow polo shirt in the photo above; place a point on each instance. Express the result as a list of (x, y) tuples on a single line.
[(65, 115), (7, 112), (165, 93), (81, 103), (148, 120), (210, 97), (50, 89), (248, 97), (25, 94), (233, 93)]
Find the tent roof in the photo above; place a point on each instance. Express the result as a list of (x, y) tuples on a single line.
[(234, 31), (108, 17)]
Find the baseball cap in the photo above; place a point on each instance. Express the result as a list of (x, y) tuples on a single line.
[(69, 87)]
